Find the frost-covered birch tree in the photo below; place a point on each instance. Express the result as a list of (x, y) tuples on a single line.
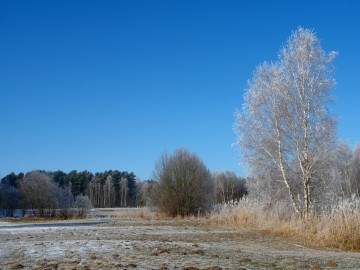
[(285, 126)]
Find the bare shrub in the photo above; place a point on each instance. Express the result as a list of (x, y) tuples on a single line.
[(65, 203), (44, 197), (82, 205), (145, 193), (185, 186), (39, 193)]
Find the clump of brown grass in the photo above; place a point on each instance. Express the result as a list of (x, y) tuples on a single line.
[(133, 213), (340, 226), (337, 226), (246, 214), (147, 213)]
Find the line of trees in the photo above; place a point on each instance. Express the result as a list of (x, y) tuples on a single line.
[(113, 189), (50, 193), (55, 193), (230, 188), (38, 193)]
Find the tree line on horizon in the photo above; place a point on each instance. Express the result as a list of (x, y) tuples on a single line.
[(52, 190), (54, 193)]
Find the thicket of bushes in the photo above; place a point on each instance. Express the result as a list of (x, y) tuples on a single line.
[(38, 195), (186, 187)]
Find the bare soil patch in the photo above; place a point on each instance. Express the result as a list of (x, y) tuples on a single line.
[(132, 243)]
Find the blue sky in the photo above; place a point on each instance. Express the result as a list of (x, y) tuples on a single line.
[(97, 85)]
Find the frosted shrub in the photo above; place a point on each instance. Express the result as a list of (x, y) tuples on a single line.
[(83, 205)]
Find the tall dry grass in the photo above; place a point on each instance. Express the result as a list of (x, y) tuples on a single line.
[(337, 226), (144, 213)]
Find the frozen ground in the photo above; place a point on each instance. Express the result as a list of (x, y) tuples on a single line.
[(124, 243)]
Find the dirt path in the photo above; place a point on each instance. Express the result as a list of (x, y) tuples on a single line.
[(141, 244)]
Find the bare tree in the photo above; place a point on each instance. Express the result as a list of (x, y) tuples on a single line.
[(348, 163), (229, 188), (9, 198), (94, 191), (123, 192), (65, 201), (185, 184), (44, 196), (285, 125), (356, 169), (145, 192), (109, 192), (83, 205), (39, 193)]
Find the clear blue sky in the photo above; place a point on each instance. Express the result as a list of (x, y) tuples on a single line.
[(97, 85)]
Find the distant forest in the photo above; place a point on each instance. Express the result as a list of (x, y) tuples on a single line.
[(103, 189), (45, 193)]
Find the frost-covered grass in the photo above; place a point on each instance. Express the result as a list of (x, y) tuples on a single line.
[(337, 226), (128, 241)]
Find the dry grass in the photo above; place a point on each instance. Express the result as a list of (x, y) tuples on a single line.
[(338, 227), (143, 213), (156, 244)]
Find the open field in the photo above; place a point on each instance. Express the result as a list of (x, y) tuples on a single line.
[(126, 241)]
